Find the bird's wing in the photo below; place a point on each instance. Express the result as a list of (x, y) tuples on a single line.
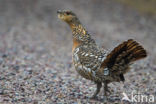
[(119, 59), (89, 57)]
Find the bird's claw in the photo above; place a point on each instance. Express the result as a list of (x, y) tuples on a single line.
[(108, 91)]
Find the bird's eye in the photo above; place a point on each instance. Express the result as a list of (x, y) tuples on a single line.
[(68, 13)]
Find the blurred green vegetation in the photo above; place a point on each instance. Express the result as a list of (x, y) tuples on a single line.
[(147, 7)]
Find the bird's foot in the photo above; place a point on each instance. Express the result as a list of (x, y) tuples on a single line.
[(94, 97), (108, 90), (104, 100)]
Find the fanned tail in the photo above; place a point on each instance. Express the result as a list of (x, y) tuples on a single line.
[(124, 54)]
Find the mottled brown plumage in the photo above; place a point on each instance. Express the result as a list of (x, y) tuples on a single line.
[(94, 64)]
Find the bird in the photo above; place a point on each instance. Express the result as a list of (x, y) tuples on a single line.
[(98, 65)]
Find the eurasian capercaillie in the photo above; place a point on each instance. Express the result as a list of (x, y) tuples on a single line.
[(96, 65)]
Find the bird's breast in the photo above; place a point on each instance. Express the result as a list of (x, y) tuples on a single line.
[(76, 43)]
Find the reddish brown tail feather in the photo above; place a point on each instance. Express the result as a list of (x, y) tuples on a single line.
[(124, 54), (136, 50)]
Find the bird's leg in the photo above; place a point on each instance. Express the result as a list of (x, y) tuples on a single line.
[(108, 90), (98, 87), (105, 91)]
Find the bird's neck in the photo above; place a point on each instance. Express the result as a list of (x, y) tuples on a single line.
[(77, 27), (80, 35), (78, 31)]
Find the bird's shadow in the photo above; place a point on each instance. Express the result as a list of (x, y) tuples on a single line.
[(109, 99)]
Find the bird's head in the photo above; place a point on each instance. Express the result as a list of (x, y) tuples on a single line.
[(67, 16)]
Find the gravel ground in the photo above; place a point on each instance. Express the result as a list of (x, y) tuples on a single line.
[(35, 50)]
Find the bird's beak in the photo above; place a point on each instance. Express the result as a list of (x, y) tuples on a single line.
[(59, 12)]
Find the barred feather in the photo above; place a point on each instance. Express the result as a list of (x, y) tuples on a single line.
[(94, 64), (124, 54)]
